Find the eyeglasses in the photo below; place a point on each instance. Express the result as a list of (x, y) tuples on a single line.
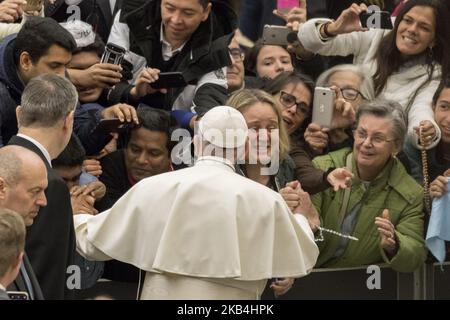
[(350, 93), (237, 54), (376, 140), (288, 100)]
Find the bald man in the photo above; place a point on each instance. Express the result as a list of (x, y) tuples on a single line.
[(23, 179)]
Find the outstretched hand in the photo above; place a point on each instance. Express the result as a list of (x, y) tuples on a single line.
[(340, 178), (348, 21)]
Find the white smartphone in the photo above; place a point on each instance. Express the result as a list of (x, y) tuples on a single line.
[(323, 106)]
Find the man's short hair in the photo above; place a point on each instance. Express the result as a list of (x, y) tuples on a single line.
[(12, 238), (46, 100), (73, 155), (37, 35), (155, 120)]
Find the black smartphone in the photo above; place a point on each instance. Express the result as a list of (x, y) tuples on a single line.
[(113, 54), (111, 126), (18, 295), (376, 20), (169, 80)]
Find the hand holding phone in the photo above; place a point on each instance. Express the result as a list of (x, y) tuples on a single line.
[(111, 125), (113, 54), (169, 80), (323, 106), (376, 20), (276, 35)]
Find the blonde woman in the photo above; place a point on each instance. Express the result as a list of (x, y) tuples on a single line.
[(268, 161)]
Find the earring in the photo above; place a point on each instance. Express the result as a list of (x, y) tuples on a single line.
[(430, 53)]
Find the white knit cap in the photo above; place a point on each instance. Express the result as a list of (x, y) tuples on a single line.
[(81, 31)]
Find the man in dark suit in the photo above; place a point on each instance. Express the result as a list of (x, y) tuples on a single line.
[(45, 121), (12, 242), (23, 179)]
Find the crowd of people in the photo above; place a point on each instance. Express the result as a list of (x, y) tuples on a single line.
[(221, 185)]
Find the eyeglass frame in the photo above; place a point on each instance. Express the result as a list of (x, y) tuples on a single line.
[(233, 53), (299, 110), (358, 93), (362, 139)]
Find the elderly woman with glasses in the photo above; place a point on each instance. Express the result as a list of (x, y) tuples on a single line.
[(383, 206), (352, 87)]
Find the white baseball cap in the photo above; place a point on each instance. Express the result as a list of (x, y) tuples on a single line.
[(224, 127)]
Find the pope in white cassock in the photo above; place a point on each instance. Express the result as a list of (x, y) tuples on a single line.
[(203, 232)]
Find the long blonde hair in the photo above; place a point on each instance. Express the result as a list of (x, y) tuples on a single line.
[(245, 98)]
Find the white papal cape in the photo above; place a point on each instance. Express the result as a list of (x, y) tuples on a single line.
[(201, 232)]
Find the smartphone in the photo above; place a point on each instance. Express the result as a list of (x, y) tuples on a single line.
[(323, 106), (275, 35), (18, 295), (32, 5), (110, 126), (169, 80), (113, 54), (376, 20), (286, 5)]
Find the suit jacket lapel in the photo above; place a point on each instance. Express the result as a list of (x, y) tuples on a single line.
[(34, 282)]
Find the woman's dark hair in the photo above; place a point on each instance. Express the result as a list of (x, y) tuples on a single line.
[(389, 58), (251, 57), (445, 84), (275, 85)]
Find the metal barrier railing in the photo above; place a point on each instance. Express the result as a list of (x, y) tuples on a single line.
[(428, 283)]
